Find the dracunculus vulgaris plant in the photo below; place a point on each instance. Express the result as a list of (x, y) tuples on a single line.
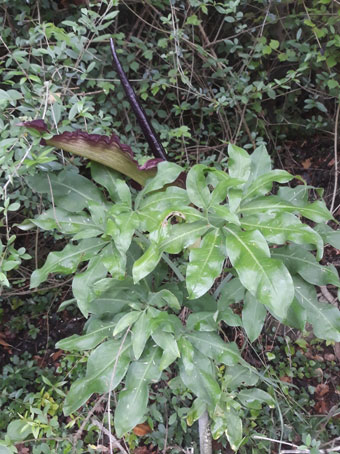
[(147, 309)]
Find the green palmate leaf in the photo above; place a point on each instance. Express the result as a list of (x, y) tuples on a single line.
[(233, 428), (316, 211), (70, 191), (82, 284), (106, 367), (117, 188), (283, 227), (167, 173), (67, 223), (300, 261), (324, 317), (133, 400), (263, 184), (169, 346), (253, 316), (205, 264), (199, 376), (146, 263), (239, 163), (267, 279), (197, 188), (97, 331), (67, 260), (141, 333), (211, 345)]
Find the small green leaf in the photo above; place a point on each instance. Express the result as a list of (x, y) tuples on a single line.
[(118, 189), (146, 263), (253, 398), (140, 334), (234, 428), (197, 188), (211, 345), (127, 320)]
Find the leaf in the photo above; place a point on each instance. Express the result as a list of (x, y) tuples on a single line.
[(67, 260), (70, 191), (82, 284), (234, 428), (231, 292), (96, 333), (18, 430), (117, 188), (239, 163), (121, 225), (239, 376), (127, 320), (199, 377), (205, 264), (164, 298), (106, 367), (202, 321), (67, 223), (197, 188), (316, 211), (253, 316), (175, 238), (260, 164), (253, 398), (133, 400), (324, 317), (146, 263), (140, 334), (266, 279), (299, 260), (169, 346), (263, 184), (211, 345), (329, 235), (283, 227)]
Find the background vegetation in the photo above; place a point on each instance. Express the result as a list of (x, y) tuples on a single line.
[(208, 73)]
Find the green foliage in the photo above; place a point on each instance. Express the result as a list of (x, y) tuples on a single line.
[(211, 221)]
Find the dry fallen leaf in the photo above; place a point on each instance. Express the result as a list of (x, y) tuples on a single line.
[(142, 429), (307, 163)]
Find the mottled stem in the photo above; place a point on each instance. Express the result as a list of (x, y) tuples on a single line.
[(145, 124), (205, 434)]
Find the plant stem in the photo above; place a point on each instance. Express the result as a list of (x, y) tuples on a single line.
[(205, 434)]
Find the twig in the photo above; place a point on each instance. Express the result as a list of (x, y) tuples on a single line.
[(335, 156), (327, 294), (113, 440)]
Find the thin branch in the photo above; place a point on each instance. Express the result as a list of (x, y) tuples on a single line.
[(113, 440), (335, 156)]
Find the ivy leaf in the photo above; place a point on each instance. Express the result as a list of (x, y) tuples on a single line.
[(205, 264), (299, 260), (67, 260), (197, 188), (106, 367), (239, 163), (324, 317), (267, 279), (133, 400), (253, 316)]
